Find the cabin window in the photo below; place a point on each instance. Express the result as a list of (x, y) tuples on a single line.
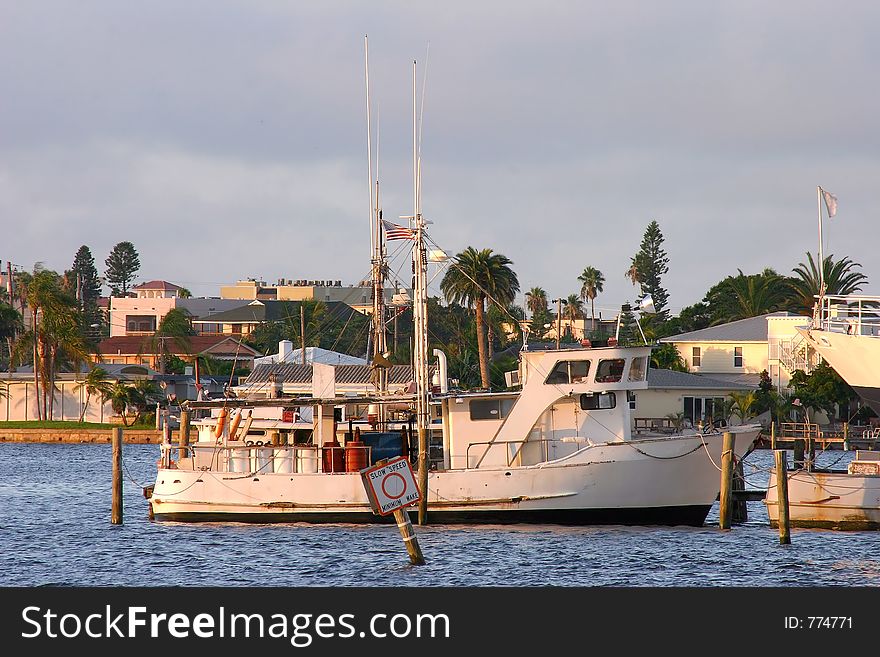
[(696, 357), (610, 370), (600, 400), (631, 398), (490, 409), (638, 368), (569, 371), (737, 356)]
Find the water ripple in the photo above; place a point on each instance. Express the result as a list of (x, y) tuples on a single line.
[(55, 531)]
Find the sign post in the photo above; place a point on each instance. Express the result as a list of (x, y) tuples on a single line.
[(391, 487)]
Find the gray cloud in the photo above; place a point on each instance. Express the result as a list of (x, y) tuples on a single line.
[(227, 139)]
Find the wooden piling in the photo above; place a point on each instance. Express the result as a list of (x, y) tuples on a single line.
[(423, 475), (773, 435), (409, 537), (782, 497), (740, 507), (846, 436), (725, 511), (116, 509), (799, 454), (183, 434)]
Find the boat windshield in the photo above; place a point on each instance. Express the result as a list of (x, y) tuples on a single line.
[(569, 371), (610, 370), (638, 368)]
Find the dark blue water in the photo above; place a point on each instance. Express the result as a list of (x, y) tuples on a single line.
[(55, 530)]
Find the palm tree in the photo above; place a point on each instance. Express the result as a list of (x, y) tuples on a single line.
[(143, 394), (592, 280), (633, 273), (743, 403), (175, 326), (751, 296), (95, 383), (572, 311), (536, 300), (474, 277), (10, 326), (119, 396), (840, 278)]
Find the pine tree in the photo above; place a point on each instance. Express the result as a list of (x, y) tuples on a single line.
[(87, 286), (122, 265), (84, 267), (651, 263)]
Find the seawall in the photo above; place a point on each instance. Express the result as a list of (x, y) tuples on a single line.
[(132, 436)]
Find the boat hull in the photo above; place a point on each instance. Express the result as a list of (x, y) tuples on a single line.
[(828, 500), (853, 357), (663, 481)]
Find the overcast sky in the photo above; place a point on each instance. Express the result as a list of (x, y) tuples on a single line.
[(227, 139)]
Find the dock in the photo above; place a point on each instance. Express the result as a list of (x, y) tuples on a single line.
[(832, 437)]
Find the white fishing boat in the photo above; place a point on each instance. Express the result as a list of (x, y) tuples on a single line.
[(845, 332), (560, 449)]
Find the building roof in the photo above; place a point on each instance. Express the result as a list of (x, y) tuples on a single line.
[(313, 355), (665, 379), (157, 285), (140, 344), (345, 374), (271, 311), (751, 329)]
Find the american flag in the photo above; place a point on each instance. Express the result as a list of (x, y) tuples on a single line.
[(395, 232)]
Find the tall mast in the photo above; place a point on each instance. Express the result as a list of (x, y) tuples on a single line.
[(377, 259), (420, 321)]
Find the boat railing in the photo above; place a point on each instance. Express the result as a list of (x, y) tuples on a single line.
[(264, 458), (853, 314)]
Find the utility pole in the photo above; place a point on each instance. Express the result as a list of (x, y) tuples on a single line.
[(558, 320), (302, 332)]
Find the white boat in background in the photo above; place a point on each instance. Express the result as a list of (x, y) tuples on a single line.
[(845, 332)]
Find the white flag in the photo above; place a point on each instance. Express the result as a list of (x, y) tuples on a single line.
[(830, 202)]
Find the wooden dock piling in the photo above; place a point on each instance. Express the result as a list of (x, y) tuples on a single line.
[(409, 537), (799, 448), (183, 435), (726, 508), (740, 508), (116, 509), (773, 435), (423, 475), (782, 497)]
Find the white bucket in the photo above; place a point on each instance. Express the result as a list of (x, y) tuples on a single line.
[(262, 459), (306, 460), (238, 460), (284, 461)]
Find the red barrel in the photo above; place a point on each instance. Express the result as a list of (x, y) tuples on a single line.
[(356, 456), (333, 457)]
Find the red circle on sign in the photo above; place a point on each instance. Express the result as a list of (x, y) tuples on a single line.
[(402, 486)]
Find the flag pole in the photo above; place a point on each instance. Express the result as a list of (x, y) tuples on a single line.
[(821, 258)]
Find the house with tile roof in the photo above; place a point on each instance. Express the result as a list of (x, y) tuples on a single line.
[(739, 351), (143, 350), (141, 314)]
